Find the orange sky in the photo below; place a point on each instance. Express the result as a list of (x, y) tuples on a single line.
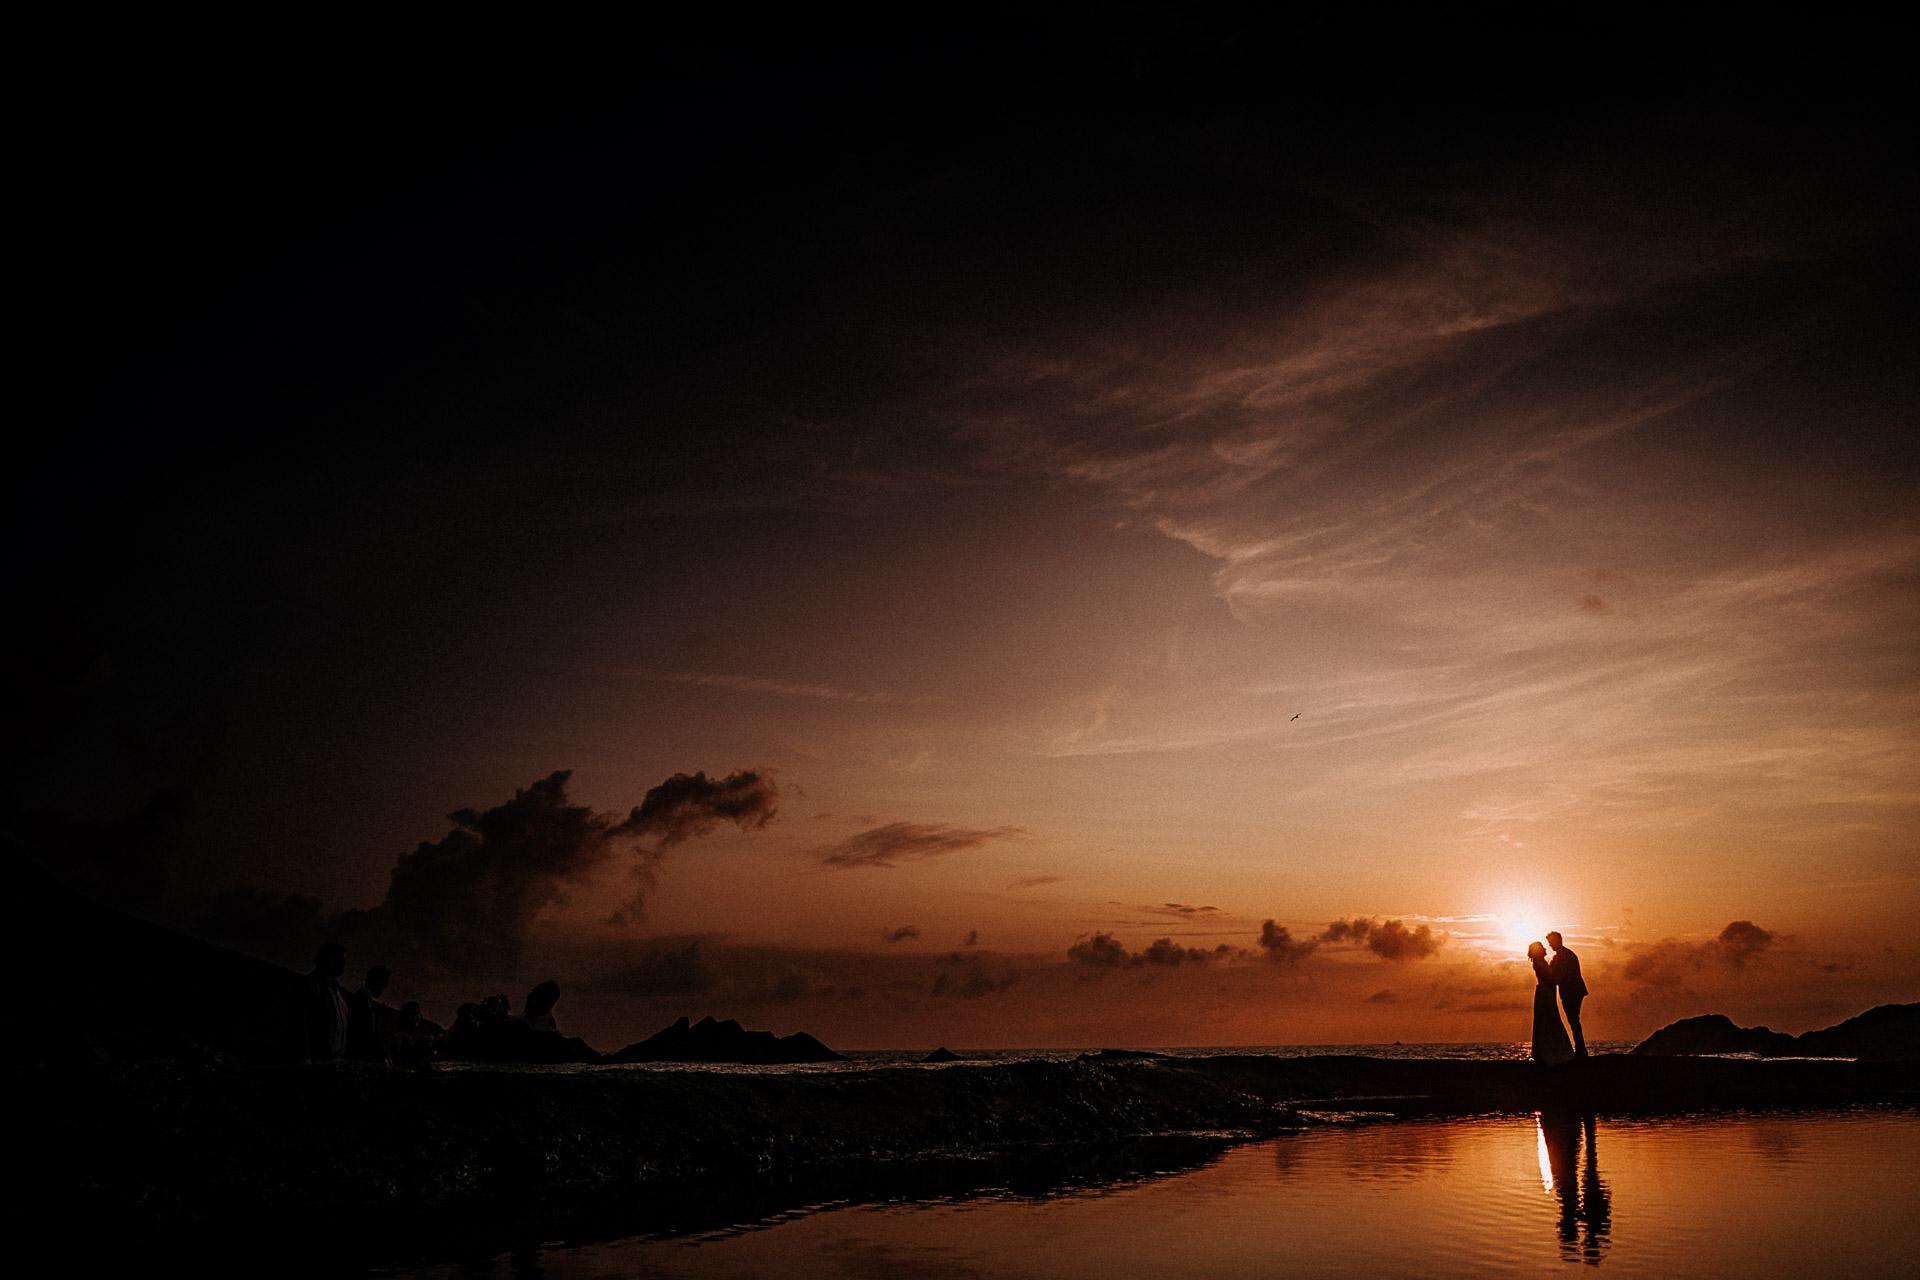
[(1094, 528)]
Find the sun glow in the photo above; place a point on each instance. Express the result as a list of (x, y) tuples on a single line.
[(1519, 925)]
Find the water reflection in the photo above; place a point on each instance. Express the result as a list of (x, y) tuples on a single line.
[(1507, 1196), (1586, 1213)]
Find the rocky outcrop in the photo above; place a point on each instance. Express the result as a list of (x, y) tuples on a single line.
[(210, 1151), (1888, 1033), (711, 1041), (1715, 1033)]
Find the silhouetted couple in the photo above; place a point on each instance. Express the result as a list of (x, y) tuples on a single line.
[(1560, 974), (333, 1024)]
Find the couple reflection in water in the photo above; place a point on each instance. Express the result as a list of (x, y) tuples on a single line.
[(1585, 1215)]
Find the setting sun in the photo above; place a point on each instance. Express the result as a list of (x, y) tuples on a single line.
[(1519, 926)]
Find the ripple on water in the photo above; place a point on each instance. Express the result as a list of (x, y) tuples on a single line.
[(1754, 1196)]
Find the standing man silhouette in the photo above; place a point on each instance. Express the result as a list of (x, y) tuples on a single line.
[(1564, 969)]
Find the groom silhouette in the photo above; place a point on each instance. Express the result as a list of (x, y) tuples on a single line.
[(1564, 970)]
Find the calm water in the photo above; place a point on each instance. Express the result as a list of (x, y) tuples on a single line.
[(867, 1059), (1750, 1196)]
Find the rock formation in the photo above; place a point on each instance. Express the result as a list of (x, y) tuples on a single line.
[(711, 1041)]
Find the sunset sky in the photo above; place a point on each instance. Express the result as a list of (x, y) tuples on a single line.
[(1099, 502)]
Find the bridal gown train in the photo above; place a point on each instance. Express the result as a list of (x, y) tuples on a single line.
[(1550, 1042)]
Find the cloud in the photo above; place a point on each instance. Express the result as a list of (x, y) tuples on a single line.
[(468, 900), (1104, 951), (897, 842), (1389, 939), (679, 971), (1179, 910), (1741, 941), (1277, 941), (1170, 954), (971, 978), (791, 689), (972, 939), (688, 805), (1383, 996), (904, 933), (282, 926), (1034, 882), (129, 860), (1671, 964)]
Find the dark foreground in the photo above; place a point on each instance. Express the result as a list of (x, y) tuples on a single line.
[(380, 1164)]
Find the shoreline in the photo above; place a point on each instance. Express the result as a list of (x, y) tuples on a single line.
[(205, 1149)]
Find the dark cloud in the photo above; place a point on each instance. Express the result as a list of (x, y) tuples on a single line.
[(1170, 954), (688, 805), (1671, 964), (1392, 940), (129, 861), (1104, 951), (902, 934), (1383, 997), (1179, 910), (468, 900), (897, 842), (970, 978), (674, 971), (776, 988), (1388, 939), (283, 927), (1034, 882), (1277, 941), (1741, 941)]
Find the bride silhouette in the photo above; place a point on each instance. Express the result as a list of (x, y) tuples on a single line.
[(1550, 1043)]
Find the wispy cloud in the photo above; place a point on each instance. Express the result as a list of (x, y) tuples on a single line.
[(897, 842), (1459, 497), (791, 689)]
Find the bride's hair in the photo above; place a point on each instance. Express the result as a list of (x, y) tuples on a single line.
[(1535, 951)]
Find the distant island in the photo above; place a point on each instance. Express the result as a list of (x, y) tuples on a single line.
[(1885, 1034), (711, 1041)]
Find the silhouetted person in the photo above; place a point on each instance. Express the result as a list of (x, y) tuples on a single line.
[(1549, 1037), (539, 1007), (487, 1032), (1564, 969), (323, 1020), (413, 1038), (369, 1022)]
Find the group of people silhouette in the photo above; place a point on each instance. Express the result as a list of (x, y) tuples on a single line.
[(1560, 974), (334, 1024)]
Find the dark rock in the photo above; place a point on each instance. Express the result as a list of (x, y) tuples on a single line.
[(1888, 1033), (942, 1054), (1714, 1033), (710, 1041), (513, 1041), (121, 981), (201, 1149)]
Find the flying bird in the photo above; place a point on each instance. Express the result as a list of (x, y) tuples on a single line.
[(1296, 716)]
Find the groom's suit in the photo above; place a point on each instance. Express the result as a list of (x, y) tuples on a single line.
[(1564, 970)]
